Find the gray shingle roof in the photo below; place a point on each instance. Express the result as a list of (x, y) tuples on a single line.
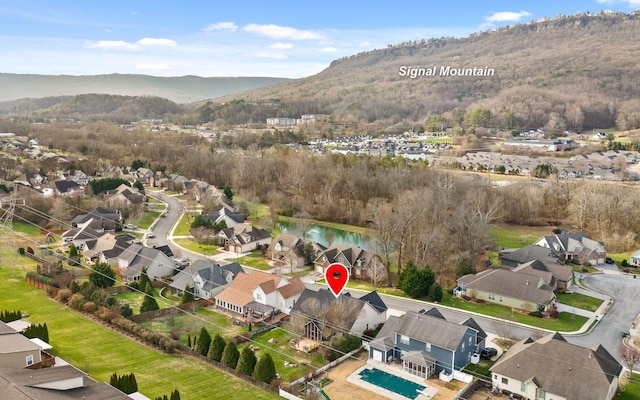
[(561, 368), (430, 329)]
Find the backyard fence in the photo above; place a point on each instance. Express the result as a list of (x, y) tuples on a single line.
[(324, 368)]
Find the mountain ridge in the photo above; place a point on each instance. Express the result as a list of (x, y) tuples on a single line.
[(179, 89)]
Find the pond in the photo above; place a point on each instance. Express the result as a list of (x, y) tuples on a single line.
[(325, 235)]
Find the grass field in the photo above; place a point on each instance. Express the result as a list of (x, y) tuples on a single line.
[(146, 220), (101, 351), (192, 245), (135, 300), (631, 389), (566, 322), (183, 227), (256, 260), (26, 228), (516, 236), (581, 301)]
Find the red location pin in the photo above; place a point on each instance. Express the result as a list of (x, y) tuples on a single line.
[(336, 275)]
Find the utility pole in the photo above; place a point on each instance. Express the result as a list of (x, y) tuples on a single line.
[(8, 205)]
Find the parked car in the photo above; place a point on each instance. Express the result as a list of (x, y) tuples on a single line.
[(608, 260), (488, 352), (151, 235)]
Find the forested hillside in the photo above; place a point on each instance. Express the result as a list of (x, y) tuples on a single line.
[(578, 72)]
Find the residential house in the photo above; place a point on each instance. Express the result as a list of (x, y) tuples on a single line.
[(77, 176), (33, 180), (124, 196), (63, 382), (514, 257), (136, 258), (634, 259), (145, 176), (67, 188), (551, 368), (107, 246), (562, 275), (17, 351), (110, 255), (80, 236), (322, 314), (357, 260), (260, 294), (288, 249), (426, 342), (205, 279), (512, 289), (578, 248), (230, 218), (111, 218), (243, 238)]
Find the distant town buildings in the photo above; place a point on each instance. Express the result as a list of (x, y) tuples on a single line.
[(292, 122)]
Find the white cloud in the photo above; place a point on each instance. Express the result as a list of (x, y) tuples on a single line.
[(221, 26), (631, 3), (504, 16), (153, 67), (273, 56), (329, 49), (113, 45), (157, 42), (282, 32), (281, 46)]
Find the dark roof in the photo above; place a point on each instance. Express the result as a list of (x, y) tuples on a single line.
[(213, 274), (306, 305), (65, 186), (429, 329), (375, 300), (530, 253), (165, 249)]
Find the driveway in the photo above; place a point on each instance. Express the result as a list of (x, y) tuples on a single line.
[(622, 313)]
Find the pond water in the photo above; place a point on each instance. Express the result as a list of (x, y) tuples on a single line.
[(325, 235)]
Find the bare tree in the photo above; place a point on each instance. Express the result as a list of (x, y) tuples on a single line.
[(630, 356), (503, 327)]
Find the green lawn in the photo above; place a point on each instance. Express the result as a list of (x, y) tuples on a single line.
[(618, 257), (135, 300), (183, 227), (26, 228), (281, 352), (101, 351), (146, 220), (366, 286), (481, 368), (508, 236), (581, 301), (566, 322), (256, 260), (631, 390), (191, 244)]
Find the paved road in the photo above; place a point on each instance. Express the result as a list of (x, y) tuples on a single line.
[(622, 313)]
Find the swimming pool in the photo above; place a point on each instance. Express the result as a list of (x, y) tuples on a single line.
[(391, 382)]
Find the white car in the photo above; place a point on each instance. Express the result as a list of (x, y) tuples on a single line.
[(151, 235)]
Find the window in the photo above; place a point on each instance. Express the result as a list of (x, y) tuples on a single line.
[(523, 387), (29, 360), (505, 381), (427, 346), (492, 296), (541, 394), (470, 340), (404, 339), (501, 299), (258, 296)]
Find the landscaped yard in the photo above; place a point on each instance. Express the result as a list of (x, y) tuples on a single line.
[(515, 236), (566, 322), (256, 260), (579, 300), (101, 351), (631, 389), (135, 298), (183, 227), (193, 245), (146, 220)]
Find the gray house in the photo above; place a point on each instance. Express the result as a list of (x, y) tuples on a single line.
[(206, 279), (426, 342)]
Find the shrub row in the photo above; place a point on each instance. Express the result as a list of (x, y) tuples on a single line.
[(41, 278)]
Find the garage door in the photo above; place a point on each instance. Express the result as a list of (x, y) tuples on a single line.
[(377, 355)]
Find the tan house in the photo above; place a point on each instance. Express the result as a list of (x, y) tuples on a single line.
[(508, 288), (17, 351), (551, 368), (577, 248), (357, 260), (287, 249), (260, 294)]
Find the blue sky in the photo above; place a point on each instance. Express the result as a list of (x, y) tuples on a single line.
[(290, 39)]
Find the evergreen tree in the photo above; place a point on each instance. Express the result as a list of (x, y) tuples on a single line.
[(416, 282), (187, 295), (247, 361), (125, 383), (230, 355), (204, 340), (228, 192), (38, 331), (189, 341), (144, 280), (265, 370), (149, 303), (216, 348), (74, 287), (102, 275), (175, 395), (73, 256), (435, 292)]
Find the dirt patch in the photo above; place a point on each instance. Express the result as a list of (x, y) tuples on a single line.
[(340, 389)]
